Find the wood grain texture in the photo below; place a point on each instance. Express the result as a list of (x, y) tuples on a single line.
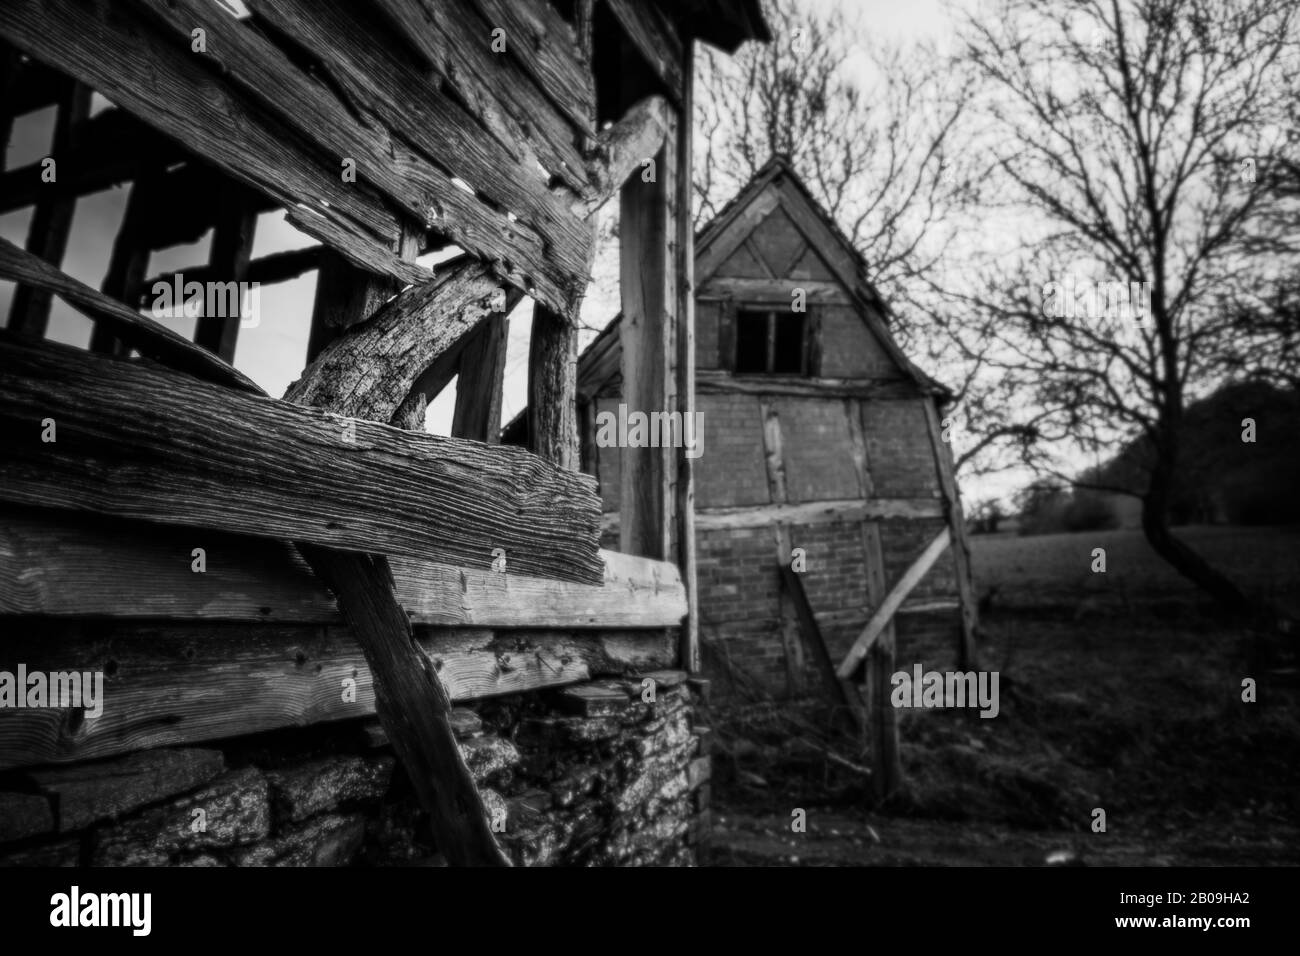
[(67, 566), (622, 150), (481, 375), (552, 389), (142, 442), (884, 612), (142, 69), (174, 685), (370, 370)]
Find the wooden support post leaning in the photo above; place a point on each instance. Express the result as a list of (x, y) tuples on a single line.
[(232, 248), (552, 388), (887, 771), (843, 691), (885, 610), (685, 504), (967, 653), (47, 237)]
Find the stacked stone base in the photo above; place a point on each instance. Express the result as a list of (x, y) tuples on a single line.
[(608, 773)]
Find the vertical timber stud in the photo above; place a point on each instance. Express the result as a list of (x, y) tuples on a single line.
[(478, 389), (648, 282), (232, 246), (47, 237), (690, 633), (130, 257), (887, 770), (553, 388), (966, 652)]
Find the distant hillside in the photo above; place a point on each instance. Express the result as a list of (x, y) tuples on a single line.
[(1221, 478)]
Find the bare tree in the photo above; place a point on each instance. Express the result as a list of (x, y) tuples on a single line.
[(1133, 141), (869, 128)]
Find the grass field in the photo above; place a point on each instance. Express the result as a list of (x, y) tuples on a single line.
[(1118, 691)]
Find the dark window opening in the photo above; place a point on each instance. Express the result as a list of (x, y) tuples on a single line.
[(771, 342)]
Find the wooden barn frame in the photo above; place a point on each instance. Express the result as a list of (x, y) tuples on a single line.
[(341, 537)]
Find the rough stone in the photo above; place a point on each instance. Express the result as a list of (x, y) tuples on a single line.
[(235, 810), (490, 759), (60, 853), (106, 789), (24, 815), (331, 840), (307, 789)]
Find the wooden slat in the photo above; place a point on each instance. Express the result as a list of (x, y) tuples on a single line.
[(816, 512), (150, 338), (621, 151), (143, 442), (143, 71), (844, 691), (57, 565), (450, 37), (655, 39), (966, 652), (47, 236), (788, 616), (775, 290), (897, 595), (175, 685), (547, 49), (482, 369)]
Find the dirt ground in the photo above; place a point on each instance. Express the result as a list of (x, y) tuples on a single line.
[(1131, 706)]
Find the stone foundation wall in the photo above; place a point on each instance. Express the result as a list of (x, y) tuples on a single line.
[(594, 774)]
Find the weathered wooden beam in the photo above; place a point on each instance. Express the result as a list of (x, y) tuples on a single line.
[(176, 685), (482, 369), (712, 381), (655, 39), (548, 260), (648, 283), (47, 236), (61, 565), (144, 442), (552, 389), (148, 337), (966, 651), (232, 248), (816, 512), (144, 70), (498, 92), (843, 691), (369, 371), (266, 270), (893, 601), (684, 506), (816, 291)]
